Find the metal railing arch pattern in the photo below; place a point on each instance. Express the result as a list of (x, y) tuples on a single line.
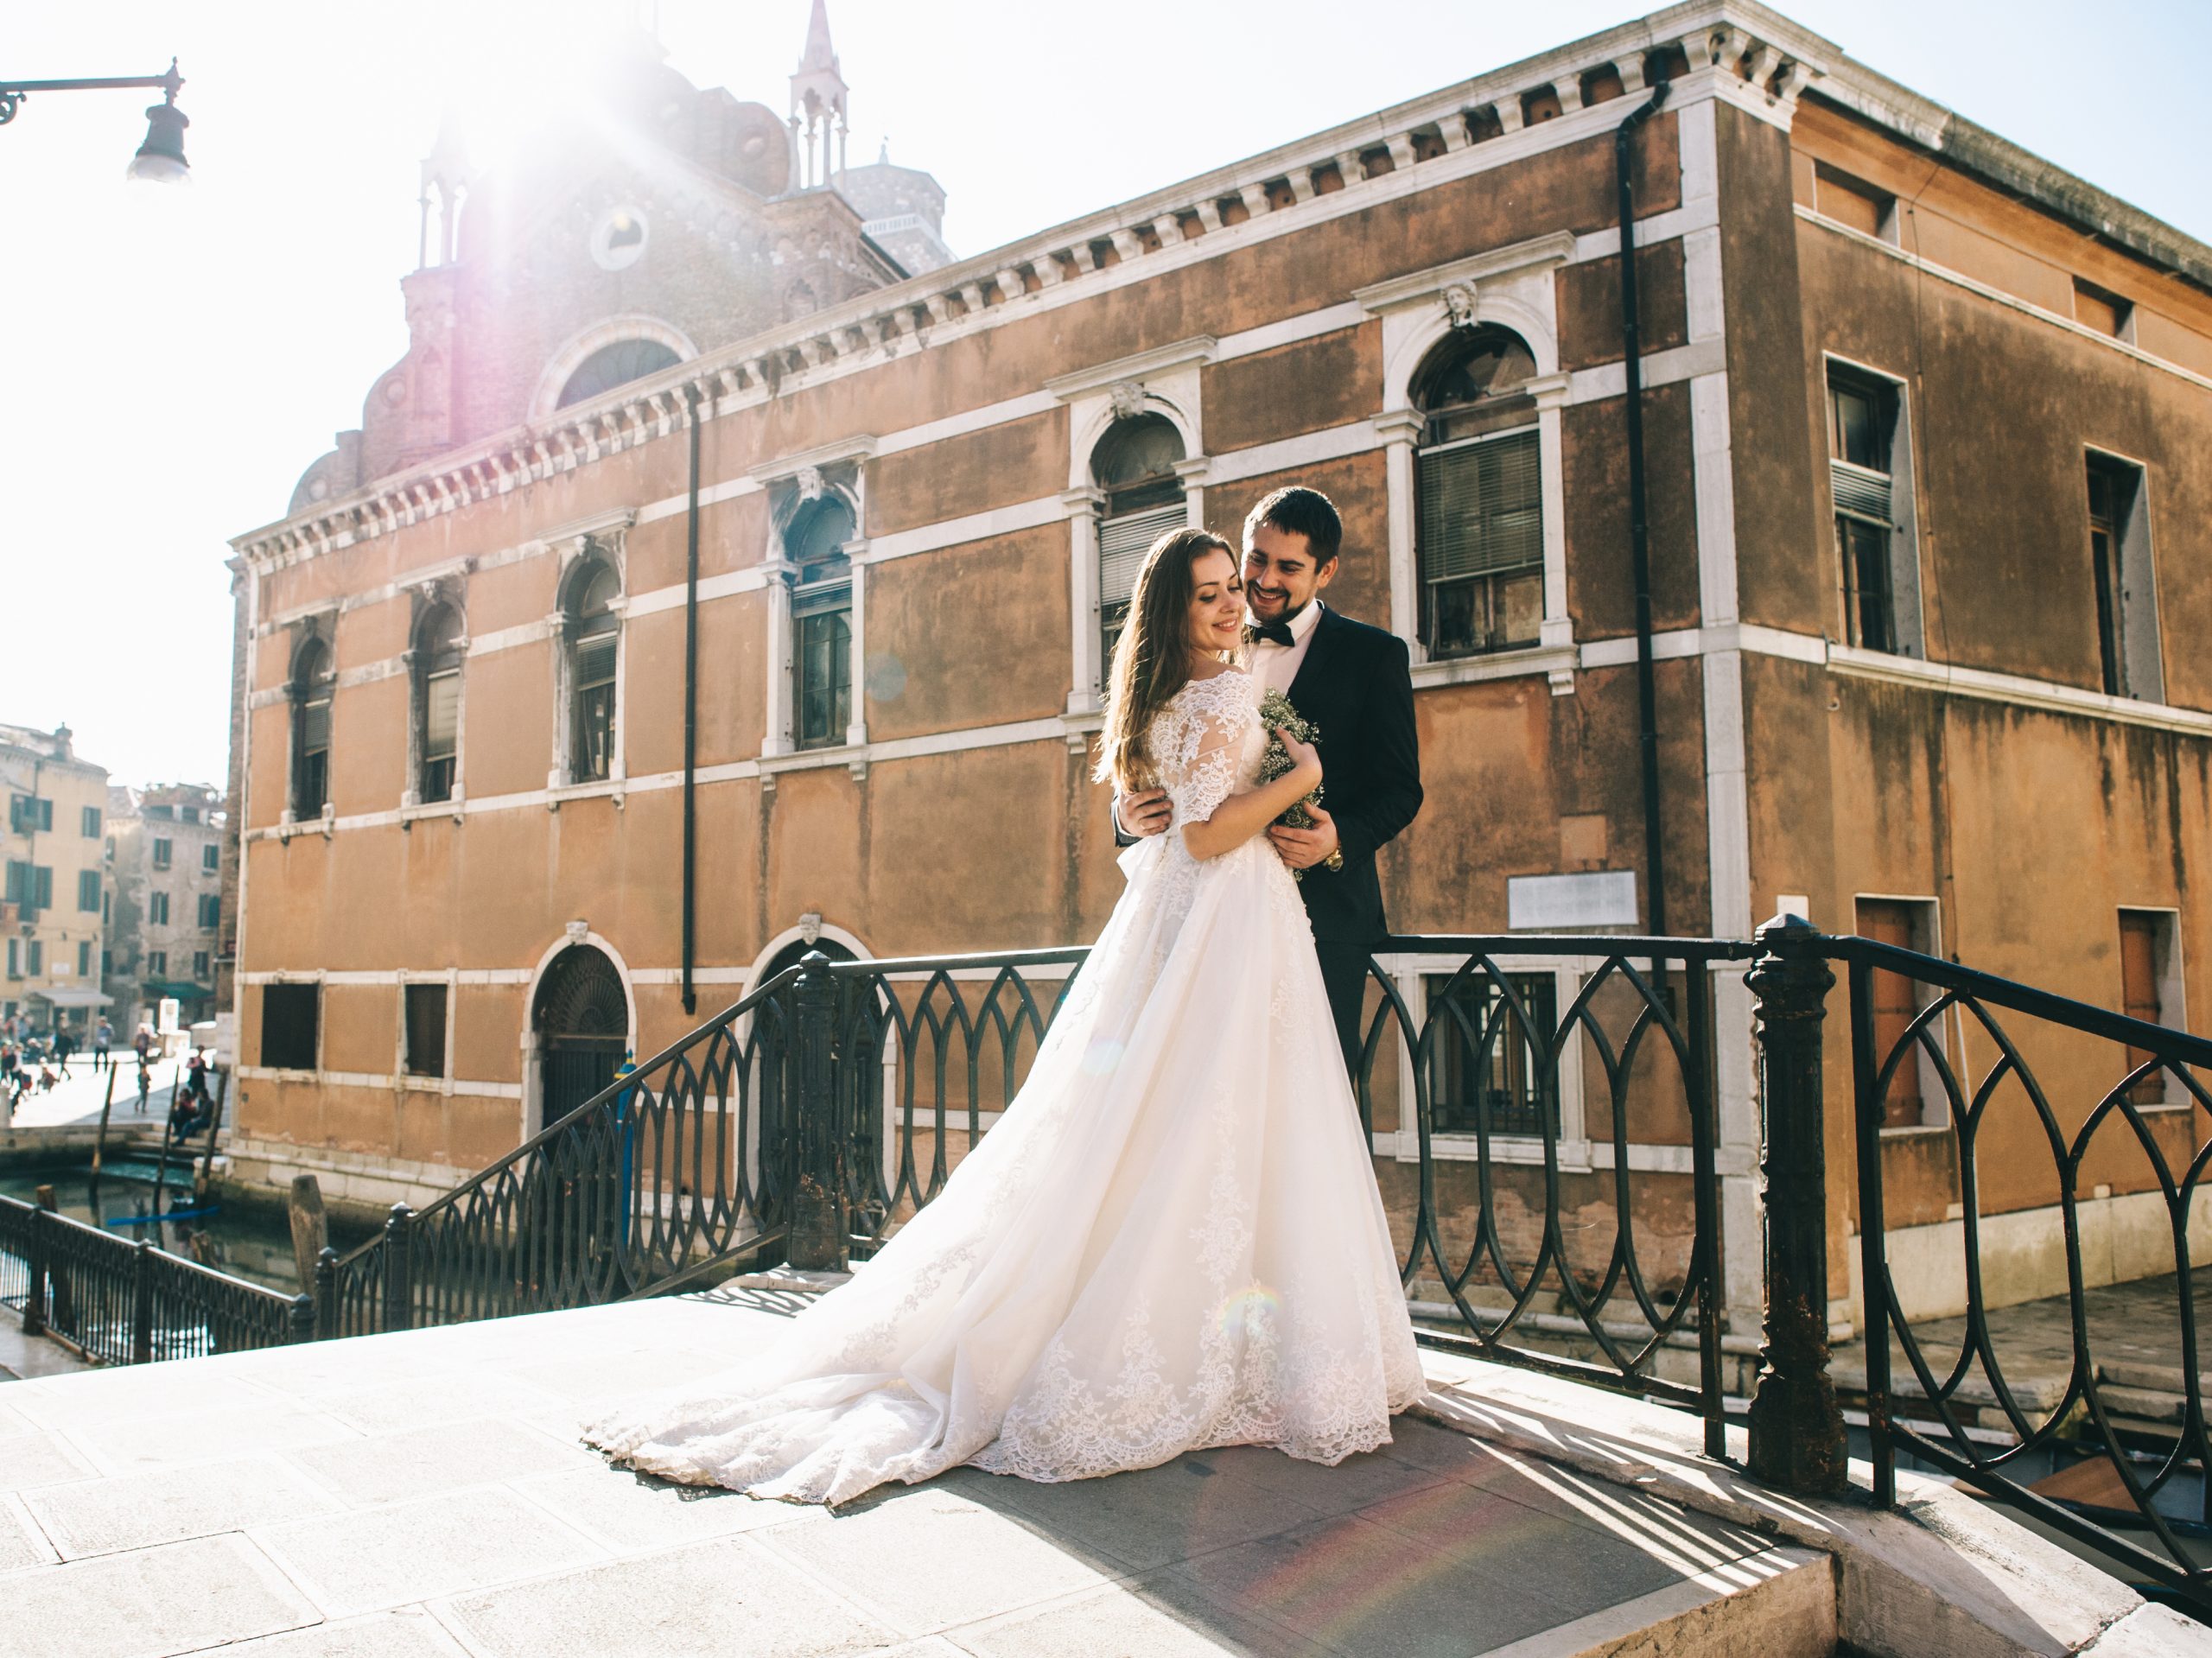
[(1935, 1418)]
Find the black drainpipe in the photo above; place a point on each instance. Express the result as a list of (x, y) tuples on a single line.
[(1639, 527), (690, 695)]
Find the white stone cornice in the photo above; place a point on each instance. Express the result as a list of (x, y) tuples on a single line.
[(860, 446), (1199, 349), (1420, 287)]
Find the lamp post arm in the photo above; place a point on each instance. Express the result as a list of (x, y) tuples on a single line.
[(12, 92)]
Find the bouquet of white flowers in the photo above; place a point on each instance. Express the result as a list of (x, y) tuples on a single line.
[(1277, 714)]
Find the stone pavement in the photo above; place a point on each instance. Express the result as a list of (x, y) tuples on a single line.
[(2134, 1336), (405, 1495), (76, 1099)]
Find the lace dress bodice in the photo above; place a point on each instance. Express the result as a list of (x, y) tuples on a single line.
[(1206, 744)]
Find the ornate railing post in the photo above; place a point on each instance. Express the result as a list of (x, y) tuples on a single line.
[(327, 1320), (398, 1269), (817, 1224), (142, 1303), (1796, 1425), (35, 1302), (299, 1323)]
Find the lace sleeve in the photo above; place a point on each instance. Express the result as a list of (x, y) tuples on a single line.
[(1198, 761)]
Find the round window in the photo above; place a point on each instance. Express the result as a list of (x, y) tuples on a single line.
[(618, 238)]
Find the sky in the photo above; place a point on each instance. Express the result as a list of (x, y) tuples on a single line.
[(176, 358)]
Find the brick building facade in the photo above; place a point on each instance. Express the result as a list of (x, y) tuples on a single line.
[(1916, 666)]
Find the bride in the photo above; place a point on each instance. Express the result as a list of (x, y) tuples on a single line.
[(1173, 1238)]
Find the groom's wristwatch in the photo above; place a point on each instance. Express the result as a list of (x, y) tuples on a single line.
[(1335, 860)]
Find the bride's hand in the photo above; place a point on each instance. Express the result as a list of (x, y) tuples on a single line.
[(1304, 759)]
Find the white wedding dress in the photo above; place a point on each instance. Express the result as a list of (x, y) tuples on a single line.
[(1173, 1239)]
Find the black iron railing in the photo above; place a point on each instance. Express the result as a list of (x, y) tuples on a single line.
[(672, 1174), (1531, 1215), (2076, 1103), (125, 1302), (1543, 1113), (1528, 1229)]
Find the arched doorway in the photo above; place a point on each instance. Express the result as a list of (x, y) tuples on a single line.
[(582, 1020)]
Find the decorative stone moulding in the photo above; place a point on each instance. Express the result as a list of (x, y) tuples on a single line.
[(1758, 59)]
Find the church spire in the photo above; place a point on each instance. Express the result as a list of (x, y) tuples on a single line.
[(818, 106)]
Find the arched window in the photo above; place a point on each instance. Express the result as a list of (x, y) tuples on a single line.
[(312, 681), (1480, 534), (1134, 465), (437, 701), (593, 629), (822, 621), (615, 365)]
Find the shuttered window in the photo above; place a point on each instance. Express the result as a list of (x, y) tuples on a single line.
[(595, 755), (1482, 543), (1122, 543), (1481, 509), (1862, 420), (440, 734)]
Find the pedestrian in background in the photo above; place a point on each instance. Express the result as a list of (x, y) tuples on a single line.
[(64, 1046), (102, 1038)]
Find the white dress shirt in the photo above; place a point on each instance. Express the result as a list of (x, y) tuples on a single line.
[(1276, 665)]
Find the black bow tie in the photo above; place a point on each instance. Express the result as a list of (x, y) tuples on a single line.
[(1274, 632)]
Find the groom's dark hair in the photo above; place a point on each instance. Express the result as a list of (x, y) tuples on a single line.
[(1297, 511)]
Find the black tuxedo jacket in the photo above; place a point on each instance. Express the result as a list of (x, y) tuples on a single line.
[(1356, 686)]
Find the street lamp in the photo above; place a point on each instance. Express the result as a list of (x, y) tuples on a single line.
[(160, 159)]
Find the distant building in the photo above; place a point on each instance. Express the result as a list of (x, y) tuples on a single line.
[(164, 905), (50, 910)]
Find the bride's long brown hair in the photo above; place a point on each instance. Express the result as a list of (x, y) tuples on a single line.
[(1152, 660)]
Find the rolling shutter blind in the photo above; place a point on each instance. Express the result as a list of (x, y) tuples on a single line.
[(1859, 490), (1122, 543), (595, 660), (314, 725), (1481, 509), (441, 716)]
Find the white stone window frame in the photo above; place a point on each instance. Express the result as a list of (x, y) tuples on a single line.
[(412, 1081), (532, 1102), (841, 469), (1167, 382), (606, 539), (1512, 288), (430, 594), (1907, 604), (2142, 638), (573, 353)]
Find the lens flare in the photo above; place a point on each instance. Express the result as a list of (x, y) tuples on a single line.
[(1249, 1308)]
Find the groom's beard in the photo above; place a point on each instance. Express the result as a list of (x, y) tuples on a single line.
[(1289, 614)]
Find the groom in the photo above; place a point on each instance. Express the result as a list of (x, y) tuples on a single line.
[(1353, 683)]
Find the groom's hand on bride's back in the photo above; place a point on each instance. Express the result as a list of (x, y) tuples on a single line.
[(1144, 811)]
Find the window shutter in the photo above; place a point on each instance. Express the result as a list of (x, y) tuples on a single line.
[(314, 725), (46, 815), (441, 716), (1123, 542), (1481, 509), (1860, 490), (42, 894), (595, 660)]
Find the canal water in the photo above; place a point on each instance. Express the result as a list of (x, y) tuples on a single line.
[(255, 1244)]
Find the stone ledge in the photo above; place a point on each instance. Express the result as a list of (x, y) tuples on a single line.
[(1943, 1574)]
